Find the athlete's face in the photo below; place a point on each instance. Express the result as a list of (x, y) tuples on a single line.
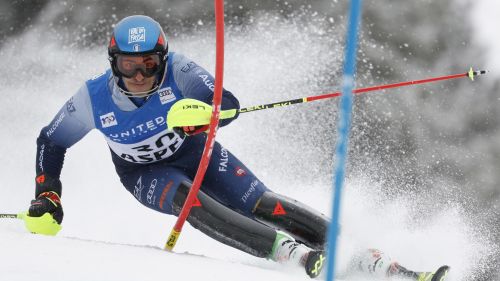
[(138, 83)]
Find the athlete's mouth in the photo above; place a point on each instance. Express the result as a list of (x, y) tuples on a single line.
[(138, 83)]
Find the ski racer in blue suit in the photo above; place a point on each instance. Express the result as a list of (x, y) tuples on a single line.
[(129, 104)]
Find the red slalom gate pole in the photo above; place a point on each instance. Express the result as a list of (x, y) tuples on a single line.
[(214, 123)]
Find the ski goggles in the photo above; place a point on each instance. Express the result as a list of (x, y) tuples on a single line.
[(128, 66)]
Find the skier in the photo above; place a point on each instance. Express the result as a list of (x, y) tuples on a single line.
[(129, 104)]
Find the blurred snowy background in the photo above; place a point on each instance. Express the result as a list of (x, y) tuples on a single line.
[(424, 161)]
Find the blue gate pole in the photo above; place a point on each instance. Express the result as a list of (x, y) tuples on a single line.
[(343, 132)]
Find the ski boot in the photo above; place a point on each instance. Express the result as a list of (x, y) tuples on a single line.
[(287, 250), (438, 275), (376, 263), (315, 262), (372, 262)]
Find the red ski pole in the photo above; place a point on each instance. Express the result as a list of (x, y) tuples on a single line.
[(471, 74)]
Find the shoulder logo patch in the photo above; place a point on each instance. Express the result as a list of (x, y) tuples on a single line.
[(108, 120), (166, 95)]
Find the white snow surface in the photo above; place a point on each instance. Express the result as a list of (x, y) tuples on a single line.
[(103, 223), (486, 20)]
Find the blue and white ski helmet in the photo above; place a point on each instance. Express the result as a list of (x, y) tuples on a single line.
[(138, 35)]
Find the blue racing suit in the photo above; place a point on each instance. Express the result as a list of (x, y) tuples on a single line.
[(151, 160)]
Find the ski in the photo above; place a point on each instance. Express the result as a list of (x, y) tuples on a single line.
[(401, 271), (438, 275)]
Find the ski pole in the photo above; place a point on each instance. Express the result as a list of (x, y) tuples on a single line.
[(12, 216), (204, 119), (45, 224), (471, 74)]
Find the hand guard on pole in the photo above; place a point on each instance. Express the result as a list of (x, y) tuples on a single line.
[(45, 213), (190, 117)]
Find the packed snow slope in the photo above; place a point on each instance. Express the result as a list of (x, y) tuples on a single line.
[(103, 223)]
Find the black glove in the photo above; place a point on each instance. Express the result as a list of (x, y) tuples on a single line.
[(47, 198), (47, 202), (190, 130)]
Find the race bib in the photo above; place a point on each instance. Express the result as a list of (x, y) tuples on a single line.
[(153, 149)]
